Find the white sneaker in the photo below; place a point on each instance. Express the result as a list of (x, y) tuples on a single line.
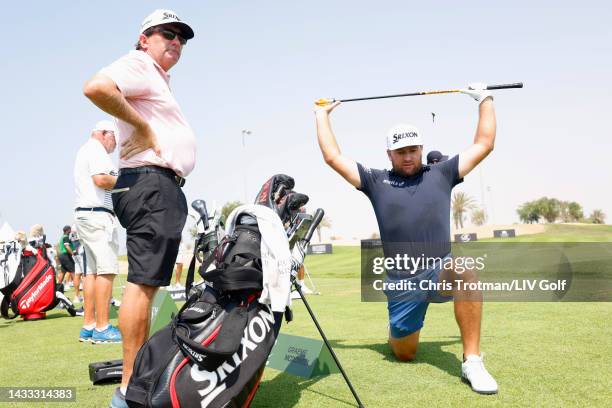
[(474, 372), (295, 294), (178, 286)]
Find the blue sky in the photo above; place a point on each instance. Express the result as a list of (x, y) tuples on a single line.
[(259, 66)]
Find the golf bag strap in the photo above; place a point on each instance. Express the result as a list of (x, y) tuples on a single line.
[(4, 309), (9, 289), (191, 272), (227, 340)]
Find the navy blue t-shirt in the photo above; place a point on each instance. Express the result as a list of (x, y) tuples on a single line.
[(413, 209)]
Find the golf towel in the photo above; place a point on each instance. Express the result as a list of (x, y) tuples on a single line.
[(275, 254)]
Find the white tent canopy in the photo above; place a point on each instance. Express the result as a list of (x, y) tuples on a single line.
[(7, 233)]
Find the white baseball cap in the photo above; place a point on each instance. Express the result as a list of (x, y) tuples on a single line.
[(108, 125), (403, 135), (161, 16)]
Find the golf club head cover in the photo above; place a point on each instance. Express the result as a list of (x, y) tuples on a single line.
[(290, 204), (273, 189), (277, 193)]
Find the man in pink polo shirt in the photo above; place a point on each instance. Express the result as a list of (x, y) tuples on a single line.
[(157, 152)]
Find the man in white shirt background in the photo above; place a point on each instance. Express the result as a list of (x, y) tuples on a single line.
[(94, 177)]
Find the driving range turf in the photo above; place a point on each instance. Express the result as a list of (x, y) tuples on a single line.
[(542, 354)]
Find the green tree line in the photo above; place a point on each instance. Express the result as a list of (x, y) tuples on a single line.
[(552, 210)]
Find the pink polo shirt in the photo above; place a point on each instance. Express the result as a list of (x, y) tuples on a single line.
[(145, 85)]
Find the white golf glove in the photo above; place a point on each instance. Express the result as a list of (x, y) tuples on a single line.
[(478, 91)]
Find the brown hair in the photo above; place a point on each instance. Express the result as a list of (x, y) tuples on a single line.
[(147, 33)]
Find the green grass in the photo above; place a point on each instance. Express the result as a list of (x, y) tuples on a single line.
[(542, 354), (566, 233)]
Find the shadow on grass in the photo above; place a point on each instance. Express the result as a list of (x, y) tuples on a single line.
[(429, 352), (52, 314), (48, 317), (285, 390)]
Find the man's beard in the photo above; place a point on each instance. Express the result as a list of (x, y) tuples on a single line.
[(399, 170)]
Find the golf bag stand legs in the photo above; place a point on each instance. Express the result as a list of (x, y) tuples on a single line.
[(331, 351), (312, 284), (66, 302)]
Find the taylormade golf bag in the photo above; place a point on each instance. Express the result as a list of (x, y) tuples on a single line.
[(214, 351), (30, 287)]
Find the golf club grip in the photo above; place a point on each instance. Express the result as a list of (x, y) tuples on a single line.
[(505, 86), (206, 223), (318, 216)]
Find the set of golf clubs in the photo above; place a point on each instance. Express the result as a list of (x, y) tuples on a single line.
[(299, 232)]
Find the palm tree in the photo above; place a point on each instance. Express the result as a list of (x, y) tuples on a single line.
[(597, 217), (479, 217), (461, 203), (325, 223)]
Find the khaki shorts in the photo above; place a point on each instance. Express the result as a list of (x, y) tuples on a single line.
[(184, 257), (79, 267), (98, 235)]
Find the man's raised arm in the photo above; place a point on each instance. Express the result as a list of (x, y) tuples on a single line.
[(332, 155), (484, 140)]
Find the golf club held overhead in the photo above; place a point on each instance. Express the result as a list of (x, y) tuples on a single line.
[(325, 101)]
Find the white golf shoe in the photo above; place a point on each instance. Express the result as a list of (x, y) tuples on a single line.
[(474, 372)]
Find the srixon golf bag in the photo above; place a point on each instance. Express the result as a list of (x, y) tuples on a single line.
[(30, 286), (214, 351)]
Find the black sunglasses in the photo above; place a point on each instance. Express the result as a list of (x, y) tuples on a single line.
[(171, 35)]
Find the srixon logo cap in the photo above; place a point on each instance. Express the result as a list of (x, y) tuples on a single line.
[(403, 135), (159, 17)]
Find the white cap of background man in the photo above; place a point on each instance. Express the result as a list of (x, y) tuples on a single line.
[(403, 135), (161, 16), (106, 125)]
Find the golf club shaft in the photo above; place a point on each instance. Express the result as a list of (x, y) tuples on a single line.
[(329, 347), (318, 216), (316, 219), (321, 102)]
